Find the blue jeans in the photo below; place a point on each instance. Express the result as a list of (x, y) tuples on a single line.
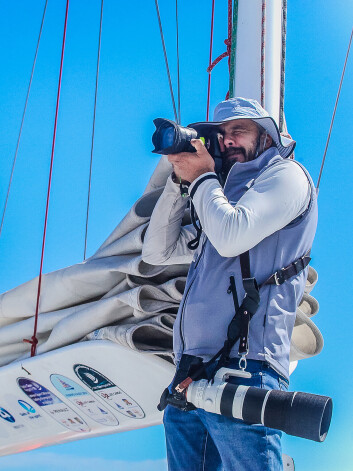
[(203, 441)]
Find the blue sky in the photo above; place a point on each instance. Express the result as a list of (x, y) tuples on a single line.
[(133, 90)]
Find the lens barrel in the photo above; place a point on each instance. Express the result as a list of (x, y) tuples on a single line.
[(296, 413), (170, 138)]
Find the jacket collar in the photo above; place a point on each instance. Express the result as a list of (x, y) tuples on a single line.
[(252, 168)]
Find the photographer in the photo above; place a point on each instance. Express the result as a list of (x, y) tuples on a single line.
[(267, 210)]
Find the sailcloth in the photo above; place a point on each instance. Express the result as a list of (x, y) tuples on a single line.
[(115, 295)]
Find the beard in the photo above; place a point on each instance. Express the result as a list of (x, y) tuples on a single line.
[(239, 154)]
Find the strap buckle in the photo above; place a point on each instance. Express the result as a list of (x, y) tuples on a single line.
[(243, 362), (279, 277), (299, 265)]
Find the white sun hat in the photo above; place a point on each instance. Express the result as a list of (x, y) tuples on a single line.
[(244, 108)]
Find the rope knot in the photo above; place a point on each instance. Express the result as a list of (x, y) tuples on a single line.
[(32, 341)]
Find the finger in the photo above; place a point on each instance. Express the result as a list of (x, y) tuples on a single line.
[(198, 144)]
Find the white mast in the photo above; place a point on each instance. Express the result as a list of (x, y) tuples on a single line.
[(258, 54)]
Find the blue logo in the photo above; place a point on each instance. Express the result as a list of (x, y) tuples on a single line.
[(4, 414), (26, 406)]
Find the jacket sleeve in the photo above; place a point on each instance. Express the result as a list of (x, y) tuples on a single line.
[(279, 195), (165, 242)]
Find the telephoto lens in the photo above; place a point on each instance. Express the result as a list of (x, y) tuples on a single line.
[(170, 138), (295, 413)]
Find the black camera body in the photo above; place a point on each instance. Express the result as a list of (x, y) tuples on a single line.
[(171, 138)]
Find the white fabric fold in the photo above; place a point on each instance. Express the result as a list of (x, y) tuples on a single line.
[(311, 279), (73, 285), (46, 322), (65, 287), (139, 214), (308, 305), (146, 336), (130, 243), (160, 175), (148, 299), (174, 288), (307, 340), (119, 288), (95, 315)]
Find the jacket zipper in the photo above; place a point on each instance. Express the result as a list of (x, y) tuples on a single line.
[(186, 296), (181, 317), (201, 253)]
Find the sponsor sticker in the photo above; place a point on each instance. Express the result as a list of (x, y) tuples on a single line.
[(27, 407), (30, 415), (10, 422), (109, 392), (84, 400), (52, 405)]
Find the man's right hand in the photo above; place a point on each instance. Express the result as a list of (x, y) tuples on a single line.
[(190, 165)]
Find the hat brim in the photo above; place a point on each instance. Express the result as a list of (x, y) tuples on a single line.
[(284, 145)]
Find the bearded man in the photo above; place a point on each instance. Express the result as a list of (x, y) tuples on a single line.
[(258, 217)]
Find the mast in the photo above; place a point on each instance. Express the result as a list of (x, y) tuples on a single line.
[(258, 52)]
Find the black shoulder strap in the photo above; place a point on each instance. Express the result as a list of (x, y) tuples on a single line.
[(283, 274), (239, 325), (250, 302)]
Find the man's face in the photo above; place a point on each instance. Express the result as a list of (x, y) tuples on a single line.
[(239, 141)]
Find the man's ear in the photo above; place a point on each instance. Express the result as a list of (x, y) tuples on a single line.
[(221, 142), (267, 143)]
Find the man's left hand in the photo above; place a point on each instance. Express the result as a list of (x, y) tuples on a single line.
[(190, 165)]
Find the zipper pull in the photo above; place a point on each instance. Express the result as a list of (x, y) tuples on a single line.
[(231, 288)]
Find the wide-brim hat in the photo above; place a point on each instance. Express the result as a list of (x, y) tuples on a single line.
[(244, 108)]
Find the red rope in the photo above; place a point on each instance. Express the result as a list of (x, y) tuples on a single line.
[(228, 43), (34, 339)]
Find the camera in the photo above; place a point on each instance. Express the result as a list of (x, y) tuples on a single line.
[(171, 138), (295, 413)]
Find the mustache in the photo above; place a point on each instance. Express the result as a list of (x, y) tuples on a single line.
[(232, 151)]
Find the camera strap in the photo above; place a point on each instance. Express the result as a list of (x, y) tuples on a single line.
[(238, 328), (194, 243), (239, 325)]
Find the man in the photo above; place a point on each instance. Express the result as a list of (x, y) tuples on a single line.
[(268, 208)]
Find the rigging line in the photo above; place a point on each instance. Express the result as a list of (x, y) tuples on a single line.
[(177, 51), (263, 33), (23, 118), (229, 39), (282, 124), (233, 49), (209, 64), (93, 129), (334, 113), (34, 339), (227, 42), (166, 60)]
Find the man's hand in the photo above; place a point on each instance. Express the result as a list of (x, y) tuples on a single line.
[(188, 165)]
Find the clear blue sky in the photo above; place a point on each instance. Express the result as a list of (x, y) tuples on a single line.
[(133, 90)]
